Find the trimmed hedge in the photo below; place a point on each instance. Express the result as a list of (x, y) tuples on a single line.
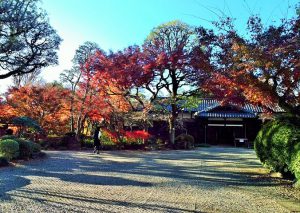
[(277, 145), (295, 166), (26, 149), (9, 149), (36, 148), (184, 141), (4, 137)]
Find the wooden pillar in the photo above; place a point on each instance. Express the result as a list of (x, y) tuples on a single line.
[(245, 130), (205, 136), (245, 134)]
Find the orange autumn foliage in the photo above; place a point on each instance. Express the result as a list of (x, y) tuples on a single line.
[(263, 69), (110, 78), (6, 111), (46, 104)]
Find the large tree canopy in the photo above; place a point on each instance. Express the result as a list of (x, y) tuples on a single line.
[(46, 104), (171, 54), (263, 68), (27, 41), (168, 62), (73, 78)]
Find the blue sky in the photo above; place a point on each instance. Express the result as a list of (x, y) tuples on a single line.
[(116, 24)]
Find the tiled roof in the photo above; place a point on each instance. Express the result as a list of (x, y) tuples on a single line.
[(226, 115), (246, 111), (206, 106), (209, 104)]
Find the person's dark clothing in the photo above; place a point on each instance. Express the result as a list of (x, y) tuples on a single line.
[(96, 140)]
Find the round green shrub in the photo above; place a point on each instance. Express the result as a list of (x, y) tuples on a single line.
[(44, 144), (275, 145), (159, 141), (295, 166), (185, 141), (4, 137), (25, 148), (9, 149), (36, 148)]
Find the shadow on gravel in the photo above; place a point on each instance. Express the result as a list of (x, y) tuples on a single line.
[(10, 183), (80, 200), (210, 169), (15, 178)]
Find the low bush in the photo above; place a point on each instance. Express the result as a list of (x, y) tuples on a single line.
[(136, 137), (277, 145), (161, 144), (36, 148), (87, 143), (44, 144), (9, 149), (123, 139), (295, 159), (151, 140), (52, 142), (184, 141), (108, 138), (4, 137), (295, 167), (108, 142), (3, 161), (25, 148)]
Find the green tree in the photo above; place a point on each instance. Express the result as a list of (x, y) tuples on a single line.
[(27, 41)]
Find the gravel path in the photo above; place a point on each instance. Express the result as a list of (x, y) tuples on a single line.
[(211, 179)]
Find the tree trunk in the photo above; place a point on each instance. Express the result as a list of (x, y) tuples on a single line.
[(72, 123), (172, 122), (79, 128), (72, 128), (80, 122), (172, 130), (81, 116)]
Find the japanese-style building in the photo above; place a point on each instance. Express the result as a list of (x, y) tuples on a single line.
[(217, 124)]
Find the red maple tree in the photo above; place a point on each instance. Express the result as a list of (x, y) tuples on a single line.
[(263, 69), (45, 104)]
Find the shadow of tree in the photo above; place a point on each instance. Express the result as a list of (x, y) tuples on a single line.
[(211, 168), (80, 199), (10, 183)]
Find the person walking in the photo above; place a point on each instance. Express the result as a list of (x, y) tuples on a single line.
[(97, 135)]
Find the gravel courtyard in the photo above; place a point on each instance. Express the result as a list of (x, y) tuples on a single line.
[(211, 179)]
